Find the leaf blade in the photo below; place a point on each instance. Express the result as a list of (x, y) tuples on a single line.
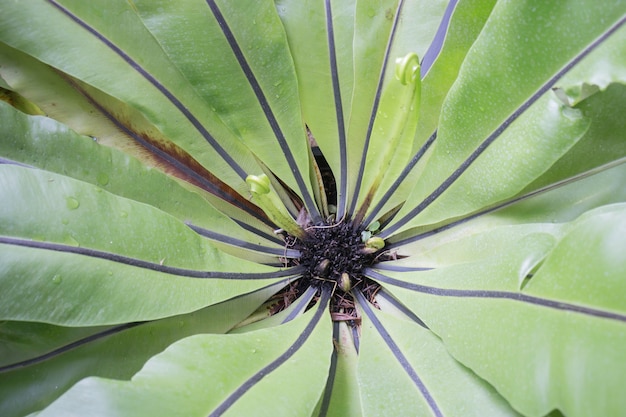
[(543, 336)]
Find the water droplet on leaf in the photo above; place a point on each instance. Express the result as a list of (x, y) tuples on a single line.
[(102, 178), (69, 240), (72, 203), (57, 279)]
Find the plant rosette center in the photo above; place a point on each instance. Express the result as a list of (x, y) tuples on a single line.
[(334, 254)]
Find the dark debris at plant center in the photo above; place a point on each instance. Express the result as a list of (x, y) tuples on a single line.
[(334, 257), (334, 252)]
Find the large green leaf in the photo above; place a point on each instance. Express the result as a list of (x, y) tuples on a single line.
[(481, 145), (81, 263), (418, 374), (342, 396), (233, 374), (323, 63), (554, 339), (65, 355), (90, 48), (111, 123), (595, 87), (42, 143), (544, 211), (250, 61), (512, 159), (465, 21), (391, 118)]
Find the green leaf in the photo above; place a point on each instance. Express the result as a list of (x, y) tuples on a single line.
[(596, 88), (324, 68), (548, 345), (491, 98), (53, 352), (372, 20), (101, 54), (601, 144), (601, 68), (565, 201), (111, 123), (212, 367), (44, 143), (466, 21), (78, 245), (375, 23), (516, 158), (394, 128), (250, 61), (403, 366), (342, 397)]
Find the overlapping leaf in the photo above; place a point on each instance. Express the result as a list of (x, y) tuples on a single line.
[(495, 87), (41, 361), (218, 375), (535, 318), (81, 263), (419, 374)]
